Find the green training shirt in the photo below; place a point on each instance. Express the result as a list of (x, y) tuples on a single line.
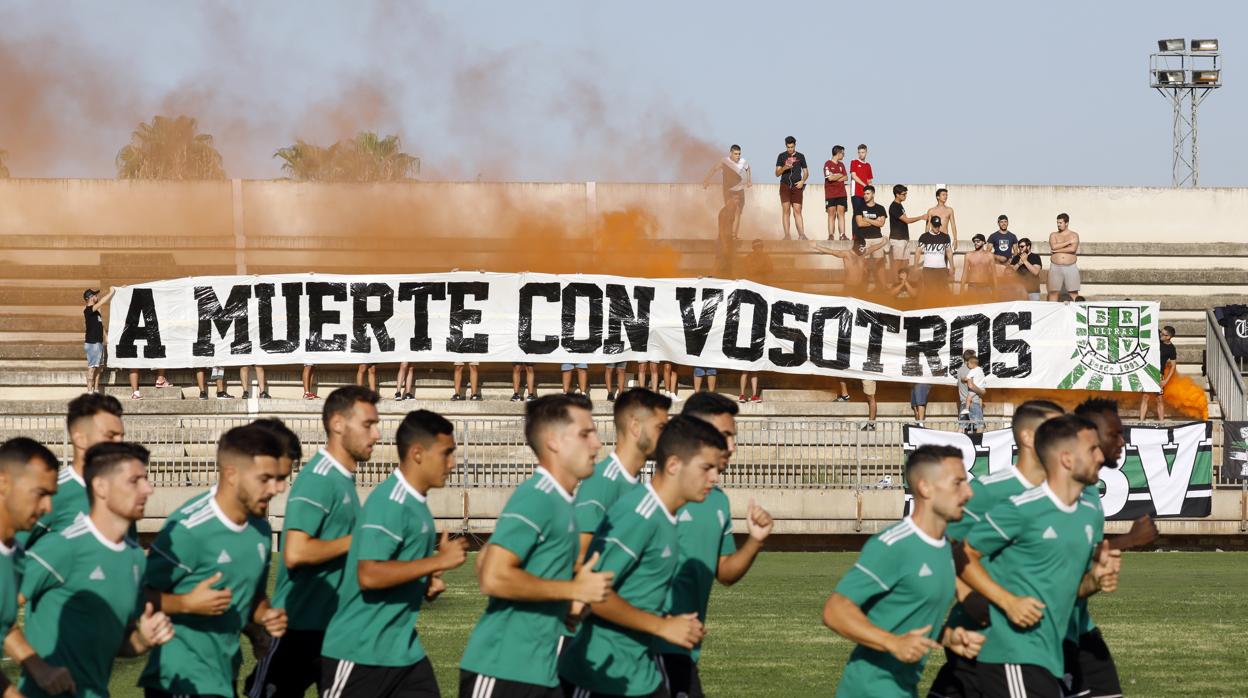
[(9, 580), (902, 580), (705, 532), (82, 591), (519, 640), (596, 495), (322, 503), (204, 656), (379, 627), (638, 542), (69, 502), (1037, 546), (1081, 622)]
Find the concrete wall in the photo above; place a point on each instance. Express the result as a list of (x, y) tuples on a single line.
[(113, 207)]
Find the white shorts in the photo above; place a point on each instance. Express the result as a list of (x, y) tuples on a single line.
[(898, 248), (878, 254), (470, 363)]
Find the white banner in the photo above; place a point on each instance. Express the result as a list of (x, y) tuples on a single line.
[(474, 316)]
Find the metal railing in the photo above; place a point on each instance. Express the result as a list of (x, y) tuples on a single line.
[(1224, 373)]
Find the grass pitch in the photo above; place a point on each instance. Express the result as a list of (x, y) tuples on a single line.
[(1177, 627)]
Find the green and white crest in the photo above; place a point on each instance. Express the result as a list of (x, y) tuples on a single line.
[(1112, 348)]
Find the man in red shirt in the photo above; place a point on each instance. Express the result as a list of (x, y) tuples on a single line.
[(860, 172), (835, 198)]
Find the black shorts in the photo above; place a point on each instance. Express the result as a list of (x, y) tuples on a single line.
[(474, 685), (1091, 668), (570, 691), (958, 678), (680, 674), (157, 693), (292, 665), (835, 201), (343, 679), (1017, 681)]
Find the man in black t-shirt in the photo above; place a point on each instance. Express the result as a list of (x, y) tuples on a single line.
[(899, 227), (93, 342), (1002, 242), (1028, 266), (792, 171), (1169, 366), (870, 221)]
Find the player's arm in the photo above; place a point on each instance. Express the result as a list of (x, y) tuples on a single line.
[(1143, 531), (998, 530), (171, 559), (861, 221), (104, 299), (1103, 573), (874, 248), (915, 219), (152, 629), (47, 566), (1170, 367), (732, 567), (846, 619), (503, 577), (805, 175), (683, 631), (854, 173), (386, 574), (781, 166), (52, 679), (304, 549), (1033, 268)]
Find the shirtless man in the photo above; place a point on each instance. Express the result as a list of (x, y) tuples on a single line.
[(1063, 260), (736, 176), (978, 268), (855, 259), (945, 212)]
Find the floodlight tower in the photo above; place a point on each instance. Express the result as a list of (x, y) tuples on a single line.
[(1185, 74)]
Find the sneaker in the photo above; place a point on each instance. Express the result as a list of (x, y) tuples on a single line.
[(409, 396), (246, 395), (163, 383), (136, 395), (457, 398), (531, 397), (869, 426), (919, 424), (224, 395), (964, 414), (515, 397), (476, 397), (756, 398), (842, 398), (309, 396), (742, 398), (676, 398), (264, 395), (203, 394), (611, 396), (398, 396)]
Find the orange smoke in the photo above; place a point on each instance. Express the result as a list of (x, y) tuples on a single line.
[(1184, 395)]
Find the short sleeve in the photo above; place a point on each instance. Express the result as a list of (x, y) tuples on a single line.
[(780, 160), (1035, 259), (588, 509), (173, 557), (1000, 527), (309, 506), (521, 525), (48, 564), (621, 546), (381, 530), (873, 574)]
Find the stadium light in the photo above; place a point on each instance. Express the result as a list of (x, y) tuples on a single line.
[(1170, 45), (1204, 45), (1206, 77), (1185, 74), (1168, 77)]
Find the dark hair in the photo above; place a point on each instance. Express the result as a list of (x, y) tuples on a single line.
[(20, 451), (289, 439), (248, 441), (1058, 432), (940, 191), (1025, 241), (1080, 299), (420, 426), (898, 189), (734, 147), (102, 459), (967, 353), (1097, 406), (862, 146), (639, 399), (1002, 217), (708, 404), (1063, 217), (978, 236), (1168, 329), (551, 410), (928, 455), (342, 401), (790, 140), (837, 149), (869, 188), (1030, 414), (683, 437), (89, 405), (903, 271)]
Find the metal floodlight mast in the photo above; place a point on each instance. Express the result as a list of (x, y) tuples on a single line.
[(1185, 78)]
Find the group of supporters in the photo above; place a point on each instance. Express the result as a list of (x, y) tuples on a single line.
[(598, 580), (1017, 553)]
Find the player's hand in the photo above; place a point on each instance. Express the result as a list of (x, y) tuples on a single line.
[(912, 646), (53, 680), (12, 692), (203, 600), (1143, 531), (758, 522), (437, 585), (964, 643), (452, 552), (155, 627), (1105, 568), (274, 621), (683, 631), (1024, 611), (577, 612), (590, 586)]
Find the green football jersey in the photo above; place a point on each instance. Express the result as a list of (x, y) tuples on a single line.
[(705, 532), (596, 495), (1038, 547), (1081, 622), (204, 656), (638, 542), (324, 504), (82, 591), (379, 627), (902, 580), (8, 587), (69, 502), (519, 640)]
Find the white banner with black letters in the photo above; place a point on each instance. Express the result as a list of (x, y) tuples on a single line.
[(475, 316)]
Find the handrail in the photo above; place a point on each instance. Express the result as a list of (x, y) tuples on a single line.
[(1223, 372)]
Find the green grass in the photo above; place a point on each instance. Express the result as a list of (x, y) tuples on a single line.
[(1176, 627)]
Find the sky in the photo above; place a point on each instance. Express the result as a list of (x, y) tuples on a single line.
[(965, 92)]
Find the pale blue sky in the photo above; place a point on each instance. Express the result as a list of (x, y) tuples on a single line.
[(966, 92)]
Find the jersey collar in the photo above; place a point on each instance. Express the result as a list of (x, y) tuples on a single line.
[(934, 542), (74, 474), (100, 536), (1018, 475), (225, 520), (559, 488), (670, 516), (398, 474), (1057, 502), (632, 479), (334, 462)]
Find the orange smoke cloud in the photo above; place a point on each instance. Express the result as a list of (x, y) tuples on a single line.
[(1184, 395)]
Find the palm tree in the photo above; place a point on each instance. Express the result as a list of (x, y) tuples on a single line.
[(169, 148), (4, 171), (365, 158), (304, 161)]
